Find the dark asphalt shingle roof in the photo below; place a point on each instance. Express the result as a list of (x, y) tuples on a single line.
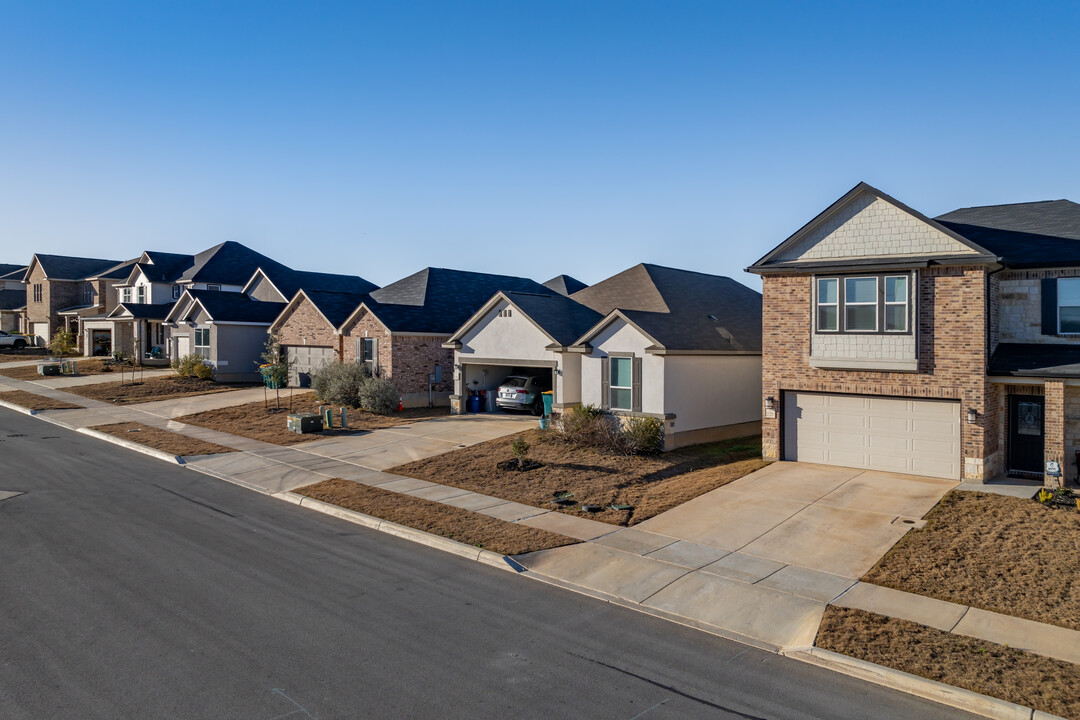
[(289, 282), (120, 271), (12, 272), (439, 300), (237, 307), (12, 299), (1031, 360), (682, 309), (142, 311), (166, 267), (1023, 234), (65, 267), (229, 263), (564, 285), (563, 319), (335, 306)]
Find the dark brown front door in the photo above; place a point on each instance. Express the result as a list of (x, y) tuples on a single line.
[(1026, 433)]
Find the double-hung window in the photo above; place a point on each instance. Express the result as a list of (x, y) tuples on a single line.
[(176, 292), (140, 294), (38, 293), (367, 352), (867, 304), (1068, 305), (202, 342), (622, 383), (125, 295), (88, 294)]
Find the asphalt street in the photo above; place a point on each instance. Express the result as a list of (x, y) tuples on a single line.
[(130, 588)]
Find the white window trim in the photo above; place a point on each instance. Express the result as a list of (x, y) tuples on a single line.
[(847, 303), (195, 342), (1057, 309), (612, 387), (906, 303), (818, 304)]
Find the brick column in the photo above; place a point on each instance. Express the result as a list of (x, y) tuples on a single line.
[(1054, 429)]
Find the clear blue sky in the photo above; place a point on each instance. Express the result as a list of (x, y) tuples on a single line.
[(519, 137)]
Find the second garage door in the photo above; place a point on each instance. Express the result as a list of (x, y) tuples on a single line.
[(920, 437), (306, 358)]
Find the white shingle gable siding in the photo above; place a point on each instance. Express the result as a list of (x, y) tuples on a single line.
[(870, 227)]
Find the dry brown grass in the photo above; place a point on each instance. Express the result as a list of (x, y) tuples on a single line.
[(151, 389), (255, 421), (652, 484), (983, 667), (465, 526), (85, 367), (997, 553), (168, 441), (10, 355), (33, 401)]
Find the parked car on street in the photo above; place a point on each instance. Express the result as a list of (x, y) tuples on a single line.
[(14, 341), (522, 392)]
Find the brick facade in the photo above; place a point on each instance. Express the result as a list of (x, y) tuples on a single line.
[(305, 325), (952, 357), (55, 296)]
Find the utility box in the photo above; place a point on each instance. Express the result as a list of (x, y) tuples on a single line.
[(48, 369), (303, 423)]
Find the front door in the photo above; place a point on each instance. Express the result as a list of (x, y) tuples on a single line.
[(1026, 433)]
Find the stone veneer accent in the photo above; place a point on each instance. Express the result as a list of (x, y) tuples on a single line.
[(868, 226), (952, 357), (869, 346), (1020, 307)]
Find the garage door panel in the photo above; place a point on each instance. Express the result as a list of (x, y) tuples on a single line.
[(892, 434), (305, 359)]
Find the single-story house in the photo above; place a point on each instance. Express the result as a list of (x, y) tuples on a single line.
[(307, 330), (399, 330)]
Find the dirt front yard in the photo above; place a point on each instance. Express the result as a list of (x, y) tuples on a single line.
[(505, 538), (11, 355), (650, 484), (256, 421), (1003, 554), (84, 367), (33, 401), (156, 388), (997, 670), (159, 439)]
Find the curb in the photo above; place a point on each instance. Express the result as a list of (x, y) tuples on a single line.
[(159, 454), (959, 698), (470, 552), (17, 408)]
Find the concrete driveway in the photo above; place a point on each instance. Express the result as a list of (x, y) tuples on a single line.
[(759, 558)]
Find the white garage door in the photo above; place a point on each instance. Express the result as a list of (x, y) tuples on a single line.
[(306, 358), (921, 437), (183, 345), (42, 332)]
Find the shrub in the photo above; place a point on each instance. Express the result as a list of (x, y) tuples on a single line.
[(379, 396), (520, 447), (590, 426), (339, 382), (192, 366), (643, 435), (62, 343)]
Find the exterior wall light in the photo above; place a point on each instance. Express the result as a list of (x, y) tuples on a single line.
[(770, 403), (972, 416)]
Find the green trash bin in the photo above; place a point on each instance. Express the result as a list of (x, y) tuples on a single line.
[(549, 399)]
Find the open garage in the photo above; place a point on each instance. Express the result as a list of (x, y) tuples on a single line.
[(485, 378), (903, 435)]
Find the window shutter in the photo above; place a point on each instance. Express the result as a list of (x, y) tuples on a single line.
[(1049, 306), (637, 385), (605, 383), (359, 349), (375, 356)]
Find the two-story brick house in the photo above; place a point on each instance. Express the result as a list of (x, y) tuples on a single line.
[(58, 287), (947, 347)]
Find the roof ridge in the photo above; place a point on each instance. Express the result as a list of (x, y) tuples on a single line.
[(1000, 205)]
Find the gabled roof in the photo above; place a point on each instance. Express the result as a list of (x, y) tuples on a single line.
[(773, 260), (119, 271), (564, 285), (142, 311), (229, 263), (164, 267), (12, 299), (1034, 234), (438, 300), (288, 281), (335, 307), (560, 318), (226, 307), (680, 310), (65, 267), (12, 272)]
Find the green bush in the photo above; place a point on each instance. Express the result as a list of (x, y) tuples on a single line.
[(63, 343), (379, 396), (520, 447), (339, 383), (643, 435), (192, 366)]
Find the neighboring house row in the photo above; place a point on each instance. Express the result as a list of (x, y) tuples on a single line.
[(680, 346), (946, 346), (12, 297), (60, 290)]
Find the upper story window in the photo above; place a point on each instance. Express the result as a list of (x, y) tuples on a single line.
[(140, 294), (863, 304), (88, 294), (125, 295), (38, 292), (1068, 305), (176, 292)]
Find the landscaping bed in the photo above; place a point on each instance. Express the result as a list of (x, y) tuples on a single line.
[(33, 401), (988, 668), (11, 355), (465, 526), (256, 421), (1003, 554), (165, 440), (85, 367), (152, 389), (650, 484)]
